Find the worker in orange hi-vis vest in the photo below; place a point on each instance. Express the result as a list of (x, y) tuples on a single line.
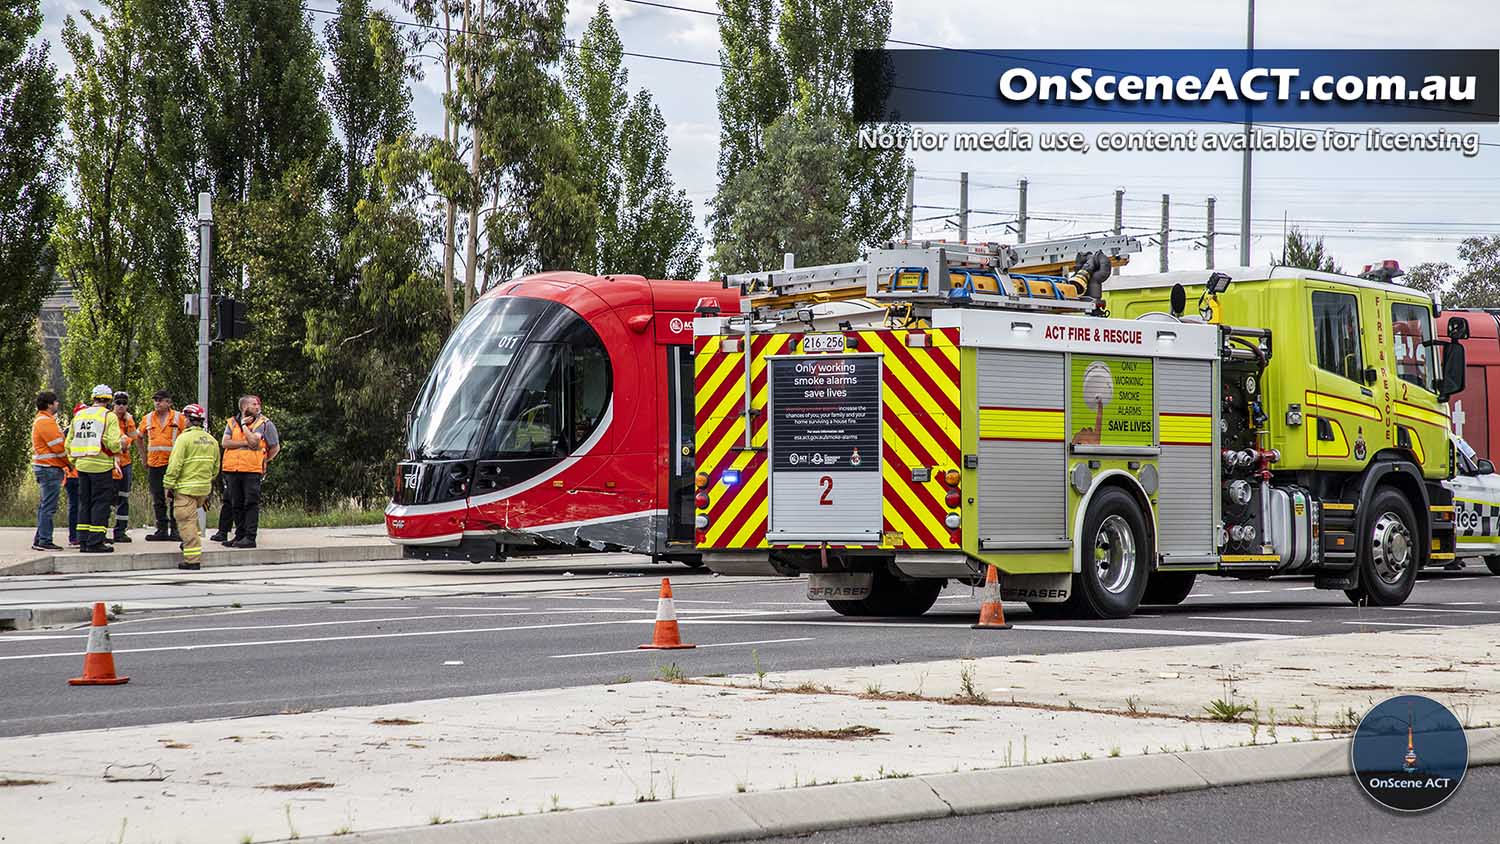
[(128, 437), (250, 443), (49, 458), (159, 432)]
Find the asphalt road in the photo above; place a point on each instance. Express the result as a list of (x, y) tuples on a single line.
[(467, 630), (1320, 811)]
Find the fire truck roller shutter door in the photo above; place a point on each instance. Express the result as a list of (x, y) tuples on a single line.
[(1022, 486), (1184, 501)]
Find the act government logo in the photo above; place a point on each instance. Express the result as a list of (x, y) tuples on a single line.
[(1409, 753)]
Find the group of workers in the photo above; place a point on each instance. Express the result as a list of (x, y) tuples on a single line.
[(91, 459)]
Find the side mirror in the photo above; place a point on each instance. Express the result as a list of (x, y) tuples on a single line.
[(1458, 328), (1485, 467), (1179, 300), (1453, 369)]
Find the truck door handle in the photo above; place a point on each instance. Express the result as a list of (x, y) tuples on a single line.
[(1325, 429)]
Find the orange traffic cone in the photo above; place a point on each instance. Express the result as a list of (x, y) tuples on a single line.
[(991, 614), (666, 636), (99, 660)]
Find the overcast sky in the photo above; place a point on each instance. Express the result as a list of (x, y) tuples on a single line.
[(1410, 206)]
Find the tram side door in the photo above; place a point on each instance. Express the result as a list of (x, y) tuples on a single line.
[(680, 483)]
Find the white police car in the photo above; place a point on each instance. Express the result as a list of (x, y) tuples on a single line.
[(1476, 506)]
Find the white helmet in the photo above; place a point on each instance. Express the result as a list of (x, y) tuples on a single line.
[(102, 392)]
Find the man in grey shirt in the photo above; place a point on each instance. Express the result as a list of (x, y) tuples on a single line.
[(250, 443)]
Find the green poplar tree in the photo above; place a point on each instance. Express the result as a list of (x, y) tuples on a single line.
[(29, 203), (645, 223), (797, 58)]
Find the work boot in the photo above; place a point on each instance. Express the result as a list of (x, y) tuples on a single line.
[(97, 549), (190, 566), (220, 537), (174, 536), (122, 536), (242, 543), (161, 534)]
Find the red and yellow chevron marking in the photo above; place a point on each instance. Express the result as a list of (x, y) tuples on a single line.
[(919, 428), (737, 514)]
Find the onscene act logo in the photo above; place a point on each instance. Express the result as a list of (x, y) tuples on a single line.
[(1409, 753)]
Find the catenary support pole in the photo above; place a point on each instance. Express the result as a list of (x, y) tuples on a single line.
[(1021, 214), (1245, 175), (205, 246), (1166, 228), (963, 207), (1119, 222), (1208, 250), (911, 196)]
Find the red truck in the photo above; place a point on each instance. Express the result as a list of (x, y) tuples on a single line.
[(1470, 409)]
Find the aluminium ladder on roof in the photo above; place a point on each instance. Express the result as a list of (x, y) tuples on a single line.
[(936, 258)]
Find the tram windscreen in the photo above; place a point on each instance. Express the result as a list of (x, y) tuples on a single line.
[(451, 412), (520, 380)]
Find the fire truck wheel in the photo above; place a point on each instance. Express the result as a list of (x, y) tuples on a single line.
[(1391, 553), (893, 596), (1493, 563), (1115, 550), (1168, 587), (849, 608)]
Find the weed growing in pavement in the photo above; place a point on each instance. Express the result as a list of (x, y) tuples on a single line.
[(859, 778), (116, 609), (1315, 714), (234, 606), (760, 672), (343, 830), (671, 672), (1009, 746), (246, 839), (121, 838), (557, 802), (1025, 750), (292, 832), (1271, 725), (1133, 705), (1348, 719), (872, 689), (623, 678), (1226, 710), (741, 787), (438, 820), (968, 691), (1085, 755), (1114, 751)]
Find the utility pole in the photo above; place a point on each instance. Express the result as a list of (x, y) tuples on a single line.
[(1245, 176), (911, 196), (205, 238), (963, 207), (1166, 228), (1209, 243), (1021, 227), (1119, 211)]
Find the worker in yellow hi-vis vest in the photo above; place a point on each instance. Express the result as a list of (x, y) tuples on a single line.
[(93, 441), (189, 479)]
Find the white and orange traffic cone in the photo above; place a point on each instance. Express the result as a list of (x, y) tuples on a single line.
[(991, 613), (99, 659), (666, 636)]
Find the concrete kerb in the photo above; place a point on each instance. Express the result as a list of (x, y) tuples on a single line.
[(792, 811), (75, 563), (27, 618)]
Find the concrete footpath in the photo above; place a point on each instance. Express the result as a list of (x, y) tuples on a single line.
[(280, 545), (902, 741)]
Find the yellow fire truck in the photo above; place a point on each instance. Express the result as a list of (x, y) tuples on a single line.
[(888, 425)]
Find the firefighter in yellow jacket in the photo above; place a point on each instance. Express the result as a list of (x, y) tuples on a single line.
[(189, 480), (92, 442)]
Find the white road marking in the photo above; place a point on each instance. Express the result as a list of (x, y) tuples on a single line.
[(711, 645), (688, 601), (1249, 591), (1440, 609), (1399, 624), (1140, 631), (1462, 603), (454, 662), (1301, 589), (1236, 618), (581, 598)]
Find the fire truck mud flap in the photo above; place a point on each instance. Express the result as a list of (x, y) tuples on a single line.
[(1036, 588)]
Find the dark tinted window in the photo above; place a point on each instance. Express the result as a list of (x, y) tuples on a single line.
[(558, 393), (1336, 332)]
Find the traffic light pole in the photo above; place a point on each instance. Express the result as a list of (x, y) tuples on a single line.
[(205, 237)]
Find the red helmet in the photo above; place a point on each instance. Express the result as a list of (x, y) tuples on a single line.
[(195, 411), (78, 407)]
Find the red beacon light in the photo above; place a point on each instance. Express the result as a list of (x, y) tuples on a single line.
[(1386, 270)]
